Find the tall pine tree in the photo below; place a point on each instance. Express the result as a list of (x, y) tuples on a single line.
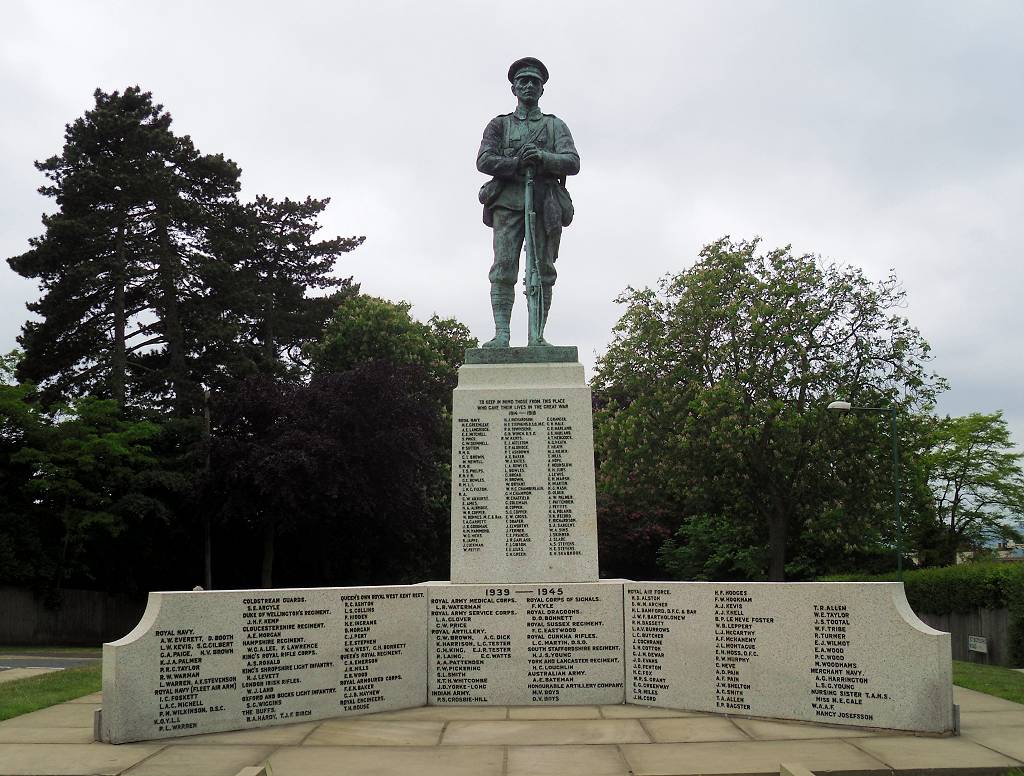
[(124, 257), (277, 261)]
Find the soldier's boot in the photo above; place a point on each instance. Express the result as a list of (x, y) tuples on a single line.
[(539, 341), (502, 298)]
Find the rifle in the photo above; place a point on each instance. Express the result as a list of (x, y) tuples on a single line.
[(534, 290)]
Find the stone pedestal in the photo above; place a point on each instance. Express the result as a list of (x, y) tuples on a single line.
[(523, 505)]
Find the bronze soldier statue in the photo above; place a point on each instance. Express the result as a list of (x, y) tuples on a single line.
[(529, 154)]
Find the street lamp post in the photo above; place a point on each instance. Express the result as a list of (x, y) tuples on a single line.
[(845, 406)]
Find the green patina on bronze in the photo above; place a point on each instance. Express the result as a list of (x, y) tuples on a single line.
[(545, 354), (528, 155)]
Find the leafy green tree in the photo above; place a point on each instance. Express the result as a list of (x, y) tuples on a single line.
[(977, 481), (352, 466), (366, 328), (86, 496), (712, 409), (343, 462), (155, 282), (87, 479), (22, 553)]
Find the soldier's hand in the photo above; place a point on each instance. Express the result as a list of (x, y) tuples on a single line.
[(530, 154)]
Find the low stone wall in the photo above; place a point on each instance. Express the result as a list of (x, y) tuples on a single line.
[(991, 624), (844, 653), (81, 618), (841, 653)]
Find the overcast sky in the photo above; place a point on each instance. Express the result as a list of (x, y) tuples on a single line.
[(879, 134)]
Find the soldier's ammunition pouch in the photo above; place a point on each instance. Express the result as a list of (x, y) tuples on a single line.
[(487, 195), (564, 202), (489, 192)]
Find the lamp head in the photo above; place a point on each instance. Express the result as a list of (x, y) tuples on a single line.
[(839, 406)]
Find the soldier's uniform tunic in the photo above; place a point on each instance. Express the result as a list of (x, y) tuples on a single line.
[(502, 139)]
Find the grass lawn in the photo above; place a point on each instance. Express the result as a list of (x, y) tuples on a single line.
[(37, 692), (993, 680)]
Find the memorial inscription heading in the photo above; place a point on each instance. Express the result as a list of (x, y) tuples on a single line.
[(526, 644)]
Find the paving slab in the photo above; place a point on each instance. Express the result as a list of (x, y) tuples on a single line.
[(911, 753), (984, 720), (72, 759), (520, 741), (371, 732), (554, 712), (593, 760), (1005, 740), (278, 735), (665, 731), (629, 711), (208, 761), (750, 757), (93, 697), (545, 732), (445, 713), (62, 715), (777, 730), (388, 761), (19, 734)]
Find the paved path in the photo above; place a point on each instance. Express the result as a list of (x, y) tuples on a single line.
[(8, 674), (33, 664), (43, 661), (521, 741)]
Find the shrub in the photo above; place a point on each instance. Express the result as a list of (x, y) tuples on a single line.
[(963, 588)]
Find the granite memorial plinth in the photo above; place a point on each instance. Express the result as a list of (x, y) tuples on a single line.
[(202, 662), (523, 504), (519, 644), (843, 653)]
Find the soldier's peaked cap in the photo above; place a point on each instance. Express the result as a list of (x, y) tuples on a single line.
[(528, 66)]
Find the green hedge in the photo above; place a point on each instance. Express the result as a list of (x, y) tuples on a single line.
[(961, 589)]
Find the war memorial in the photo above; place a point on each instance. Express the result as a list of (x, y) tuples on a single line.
[(524, 618)]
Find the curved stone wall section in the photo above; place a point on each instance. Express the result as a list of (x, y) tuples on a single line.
[(525, 644), (202, 662), (842, 653)]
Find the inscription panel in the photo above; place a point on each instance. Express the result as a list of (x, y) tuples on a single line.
[(523, 504), (229, 660), (851, 654), (526, 644)]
